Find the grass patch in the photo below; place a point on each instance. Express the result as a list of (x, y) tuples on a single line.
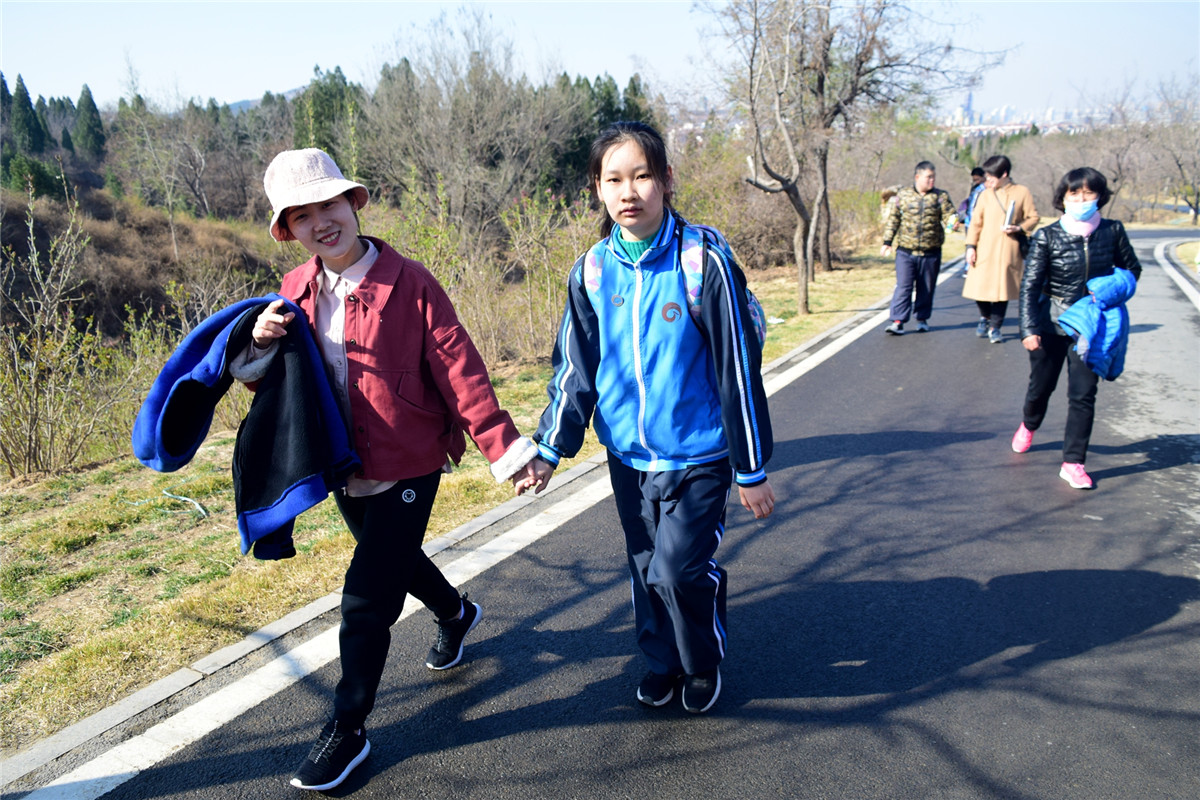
[(1187, 254), (110, 584)]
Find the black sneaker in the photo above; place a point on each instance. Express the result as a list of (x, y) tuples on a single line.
[(700, 690), (657, 690), (336, 753), (447, 650)]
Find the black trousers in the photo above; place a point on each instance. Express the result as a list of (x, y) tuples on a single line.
[(387, 565), (673, 522), (1045, 365), (993, 312)]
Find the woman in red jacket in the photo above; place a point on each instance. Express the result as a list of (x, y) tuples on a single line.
[(409, 382)]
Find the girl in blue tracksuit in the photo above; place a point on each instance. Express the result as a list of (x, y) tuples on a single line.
[(657, 350)]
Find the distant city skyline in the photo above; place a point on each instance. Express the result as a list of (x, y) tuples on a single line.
[(1061, 54)]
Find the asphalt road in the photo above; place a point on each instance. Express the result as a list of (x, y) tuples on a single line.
[(926, 615)]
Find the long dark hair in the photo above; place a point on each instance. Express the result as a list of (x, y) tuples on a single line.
[(653, 147)]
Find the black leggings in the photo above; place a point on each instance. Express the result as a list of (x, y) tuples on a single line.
[(993, 312), (387, 565), (1045, 365)]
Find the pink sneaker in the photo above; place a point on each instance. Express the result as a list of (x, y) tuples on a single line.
[(1022, 439), (1075, 475)]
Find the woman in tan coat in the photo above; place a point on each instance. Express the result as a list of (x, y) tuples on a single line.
[(994, 241)]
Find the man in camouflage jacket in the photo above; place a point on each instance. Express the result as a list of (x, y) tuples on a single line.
[(917, 223)]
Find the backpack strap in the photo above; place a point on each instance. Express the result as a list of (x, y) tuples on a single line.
[(693, 256)]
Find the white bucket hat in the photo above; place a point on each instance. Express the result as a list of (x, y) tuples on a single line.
[(300, 177)]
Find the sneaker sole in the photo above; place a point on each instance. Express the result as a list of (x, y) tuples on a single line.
[(1066, 476), (358, 759), (709, 705), (458, 657), (649, 701)]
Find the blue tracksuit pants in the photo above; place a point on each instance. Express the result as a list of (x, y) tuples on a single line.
[(673, 522)]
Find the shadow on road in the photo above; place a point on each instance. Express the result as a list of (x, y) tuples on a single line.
[(882, 637), (1161, 452), (813, 449)]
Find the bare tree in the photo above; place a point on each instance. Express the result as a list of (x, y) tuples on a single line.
[(144, 142), (1175, 138), (811, 67)]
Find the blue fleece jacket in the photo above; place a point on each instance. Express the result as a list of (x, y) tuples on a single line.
[(292, 449)]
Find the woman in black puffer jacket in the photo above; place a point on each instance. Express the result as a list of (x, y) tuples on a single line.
[(1062, 258)]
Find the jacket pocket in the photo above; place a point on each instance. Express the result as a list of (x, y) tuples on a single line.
[(414, 389)]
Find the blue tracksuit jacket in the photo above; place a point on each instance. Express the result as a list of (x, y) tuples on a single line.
[(665, 390)]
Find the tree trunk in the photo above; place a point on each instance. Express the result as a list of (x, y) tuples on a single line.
[(823, 213), (814, 231), (799, 240), (798, 244)]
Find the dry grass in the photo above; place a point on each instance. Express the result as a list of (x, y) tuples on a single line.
[(1189, 255), (109, 585)]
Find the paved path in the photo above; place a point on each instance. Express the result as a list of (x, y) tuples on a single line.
[(927, 614)]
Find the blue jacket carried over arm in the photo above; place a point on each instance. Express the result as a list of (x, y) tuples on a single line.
[(1101, 322), (292, 448)]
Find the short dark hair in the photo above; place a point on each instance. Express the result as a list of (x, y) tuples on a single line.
[(997, 166), (653, 146), (924, 166), (977, 173), (1082, 178)]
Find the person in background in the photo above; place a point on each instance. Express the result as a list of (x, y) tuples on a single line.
[(916, 225), (967, 207), (409, 382), (1003, 218), (1063, 257)]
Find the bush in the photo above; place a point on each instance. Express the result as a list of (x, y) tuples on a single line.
[(24, 174)]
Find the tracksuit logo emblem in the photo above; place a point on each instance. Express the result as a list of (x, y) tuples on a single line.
[(671, 312), (408, 496), (618, 301)]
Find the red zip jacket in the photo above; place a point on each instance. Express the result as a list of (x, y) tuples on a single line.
[(415, 379)]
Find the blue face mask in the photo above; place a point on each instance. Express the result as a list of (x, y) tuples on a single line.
[(1081, 211)]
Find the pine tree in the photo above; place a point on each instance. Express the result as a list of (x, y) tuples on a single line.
[(634, 106), (608, 101), (5, 99), (42, 110), (89, 130), (67, 144), (26, 129)]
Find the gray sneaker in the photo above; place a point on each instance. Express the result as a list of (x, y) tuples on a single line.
[(895, 329), (995, 336), (982, 328), (922, 326)]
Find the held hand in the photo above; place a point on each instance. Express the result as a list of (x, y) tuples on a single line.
[(271, 325), (886, 250), (970, 256), (535, 474), (1012, 230), (1032, 342), (758, 500)]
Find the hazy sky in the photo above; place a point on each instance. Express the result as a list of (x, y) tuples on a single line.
[(237, 50)]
